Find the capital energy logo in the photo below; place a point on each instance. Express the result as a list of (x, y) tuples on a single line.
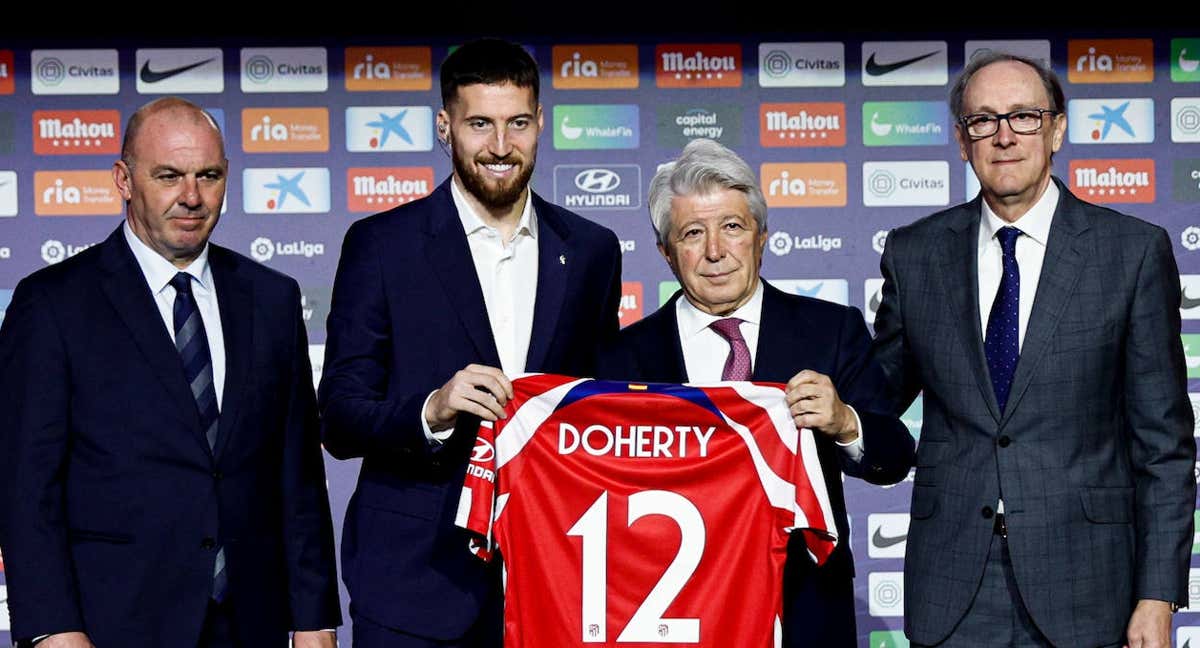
[(801, 65), (578, 127), (888, 639), (609, 186), (285, 191), (887, 535), (630, 309), (872, 298), (804, 184), (180, 71), (905, 123), (1185, 62), (905, 184), (8, 193), (373, 69), (1110, 121), (285, 130), (1038, 50), (1185, 120), (1116, 60), (1191, 353), (54, 251), (372, 189), (892, 63), (7, 72), (1185, 176), (595, 67), (802, 124), (73, 132), (284, 69), (707, 65), (75, 193), (1113, 181), (263, 249), (887, 594), (830, 290), (679, 124), (390, 129), (74, 71)]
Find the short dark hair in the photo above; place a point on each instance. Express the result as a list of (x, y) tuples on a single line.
[(1049, 79), (489, 61)]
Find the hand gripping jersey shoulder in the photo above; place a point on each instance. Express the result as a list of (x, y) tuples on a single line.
[(647, 514)]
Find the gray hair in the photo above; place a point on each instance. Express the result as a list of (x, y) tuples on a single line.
[(704, 166), (1049, 79)]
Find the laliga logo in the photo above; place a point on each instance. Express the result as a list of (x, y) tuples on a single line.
[(780, 243), (597, 180), (262, 249), (1191, 238), (879, 240), (53, 251), (484, 452)]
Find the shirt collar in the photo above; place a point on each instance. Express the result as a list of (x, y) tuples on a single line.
[(472, 223), (158, 271), (1035, 223), (692, 320)]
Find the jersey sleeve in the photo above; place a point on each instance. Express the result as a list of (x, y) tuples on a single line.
[(477, 501)]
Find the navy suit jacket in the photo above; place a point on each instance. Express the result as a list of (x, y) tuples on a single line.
[(797, 333), (407, 313), (1093, 453), (113, 502)]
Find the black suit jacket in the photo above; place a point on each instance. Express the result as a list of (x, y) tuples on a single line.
[(114, 503), (1094, 452), (797, 333), (407, 313)]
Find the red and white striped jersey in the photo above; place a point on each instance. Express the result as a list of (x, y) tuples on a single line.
[(642, 514)]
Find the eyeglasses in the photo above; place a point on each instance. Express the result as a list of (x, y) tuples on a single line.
[(1024, 122)]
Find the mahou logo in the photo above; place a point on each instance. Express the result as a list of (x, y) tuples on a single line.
[(1113, 181), (709, 65), (598, 67), (802, 124), (372, 189), (73, 132), (75, 193), (388, 68)]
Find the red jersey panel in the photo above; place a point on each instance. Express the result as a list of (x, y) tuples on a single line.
[(637, 515)]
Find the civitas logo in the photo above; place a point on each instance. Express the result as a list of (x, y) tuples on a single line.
[(263, 249), (783, 65), (54, 251), (879, 240), (782, 243), (887, 594), (284, 69), (1185, 120), (79, 71)]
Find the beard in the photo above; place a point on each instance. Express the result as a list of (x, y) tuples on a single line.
[(493, 195)]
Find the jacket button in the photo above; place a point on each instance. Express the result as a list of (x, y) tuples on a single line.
[(208, 543), (1004, 441), (987, 512), (217, 475)]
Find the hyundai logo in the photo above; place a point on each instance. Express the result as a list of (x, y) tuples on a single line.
[(597, 180)]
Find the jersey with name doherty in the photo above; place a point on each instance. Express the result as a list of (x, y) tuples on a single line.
[(643, 514)]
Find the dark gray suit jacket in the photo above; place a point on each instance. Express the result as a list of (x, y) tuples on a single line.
[(1094, 452)]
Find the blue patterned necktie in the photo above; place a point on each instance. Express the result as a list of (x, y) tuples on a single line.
[(1002, 342), (191, 341)]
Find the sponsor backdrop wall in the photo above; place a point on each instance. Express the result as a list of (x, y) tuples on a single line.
[(850, 138)]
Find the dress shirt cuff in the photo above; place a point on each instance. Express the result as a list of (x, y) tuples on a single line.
[(853, 451), (434, 438)]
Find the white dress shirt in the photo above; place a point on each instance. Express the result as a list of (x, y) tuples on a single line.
[(1031, 251), (158, 273), (507, 272), (705, 351)]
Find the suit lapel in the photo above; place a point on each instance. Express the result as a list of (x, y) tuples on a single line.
[(125, 287), (236, 302), (450, 256), (1060, 272), (960, 283), (667, 358), (775, 331), (555, 267)]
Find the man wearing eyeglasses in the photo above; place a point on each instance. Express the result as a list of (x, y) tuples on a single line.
[(1053, 498)]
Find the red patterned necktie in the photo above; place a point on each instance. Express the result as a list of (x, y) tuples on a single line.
[(737, 365)]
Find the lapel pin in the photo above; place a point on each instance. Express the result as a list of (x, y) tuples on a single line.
[(562, 259)]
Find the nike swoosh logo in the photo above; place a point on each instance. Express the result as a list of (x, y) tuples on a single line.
[(879, 69), (1186, 644), (154, 76), (874, 305), (883, 542), (1186, 302)]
